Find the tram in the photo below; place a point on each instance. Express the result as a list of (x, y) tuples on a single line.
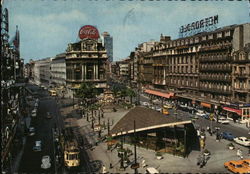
[(70, 149)]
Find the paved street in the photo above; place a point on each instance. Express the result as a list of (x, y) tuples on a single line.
[(43, 131)]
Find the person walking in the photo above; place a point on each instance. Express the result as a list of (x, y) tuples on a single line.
[(239, 153)]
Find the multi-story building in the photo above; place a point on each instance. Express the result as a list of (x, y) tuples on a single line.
[(199, 68), (86, 62), (11, 94), (58, 70), (241, 75), (108, 44), (42, 72)]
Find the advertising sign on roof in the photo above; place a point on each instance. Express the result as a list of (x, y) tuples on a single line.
[(88, 31)]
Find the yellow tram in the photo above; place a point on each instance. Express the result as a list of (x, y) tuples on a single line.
[(71, 149)]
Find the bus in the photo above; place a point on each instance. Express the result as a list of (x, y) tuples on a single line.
[(52, 92)]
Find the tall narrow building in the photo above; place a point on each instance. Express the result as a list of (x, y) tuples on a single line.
[(108, 44)]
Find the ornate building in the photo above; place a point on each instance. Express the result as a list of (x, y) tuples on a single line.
[(86, 62)]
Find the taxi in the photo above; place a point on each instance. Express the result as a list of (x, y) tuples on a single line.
[(246, 163), (236, 167)]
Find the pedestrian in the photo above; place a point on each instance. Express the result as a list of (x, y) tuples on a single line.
[(239, 153)]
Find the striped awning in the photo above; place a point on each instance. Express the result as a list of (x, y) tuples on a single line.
[(237, 111), (160, 94)]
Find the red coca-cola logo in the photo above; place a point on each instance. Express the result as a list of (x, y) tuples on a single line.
[(88, 31)]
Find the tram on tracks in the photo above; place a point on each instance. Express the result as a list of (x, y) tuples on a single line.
[(71, 150)]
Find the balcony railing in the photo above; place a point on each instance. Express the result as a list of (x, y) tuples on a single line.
[(216, 47), (241, 74), (215, 59), (241, 61), (220, 68), (215, 90), (216, 78)]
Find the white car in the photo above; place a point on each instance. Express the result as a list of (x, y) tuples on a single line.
[(31, 131), (242, 140), (33, 113), (223, 120), (46, 162), (157, 108), (201, 114), (145, 104), (38, 146)]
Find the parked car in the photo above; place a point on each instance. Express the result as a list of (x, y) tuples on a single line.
[(236, 167), (201, 114), (48, 115), (157, 108), (227, 136), (46, 164), (33, 113), (168, 106), (242, 140), (31, 131), (222, 120), (38, 146), (151, 170)]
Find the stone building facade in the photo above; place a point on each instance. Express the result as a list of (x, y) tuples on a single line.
[(86, 62)]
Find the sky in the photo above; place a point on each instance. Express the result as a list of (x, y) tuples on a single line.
[(48, 26)]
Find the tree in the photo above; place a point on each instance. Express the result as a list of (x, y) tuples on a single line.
[(131, 93), (86, 93)]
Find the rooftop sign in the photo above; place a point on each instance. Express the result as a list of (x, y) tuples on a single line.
[(206, 24), (88, 31)]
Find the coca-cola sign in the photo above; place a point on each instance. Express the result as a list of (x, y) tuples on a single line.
[(88, 31)]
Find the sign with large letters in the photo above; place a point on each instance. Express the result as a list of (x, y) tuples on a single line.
[(88, 31), (199, 26)]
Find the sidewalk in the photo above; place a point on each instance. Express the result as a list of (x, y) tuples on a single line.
[(18, 157)]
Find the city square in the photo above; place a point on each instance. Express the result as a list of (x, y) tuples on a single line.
[(80, 95)]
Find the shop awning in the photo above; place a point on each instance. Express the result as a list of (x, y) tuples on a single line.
[(238, 111), (160, 94), (207, 105)]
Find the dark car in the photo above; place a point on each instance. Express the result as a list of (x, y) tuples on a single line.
[(48, 115), (227, 136)]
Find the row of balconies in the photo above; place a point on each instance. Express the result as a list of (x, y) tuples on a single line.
[(216, 47), (241, 74), (241, 60), (214, 59), (217, 67), (215, 90), (159, 81), (241, 89), (216, 78)]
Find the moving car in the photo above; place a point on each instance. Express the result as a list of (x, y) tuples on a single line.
[(242, 140), (31, 131), (48, 115), (222, 120), (236, 167), (157, 108), (33, 113), (46, 162), (227, 136), (38, 146)]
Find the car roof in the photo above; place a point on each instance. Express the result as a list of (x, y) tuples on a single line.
[(152, 170)]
